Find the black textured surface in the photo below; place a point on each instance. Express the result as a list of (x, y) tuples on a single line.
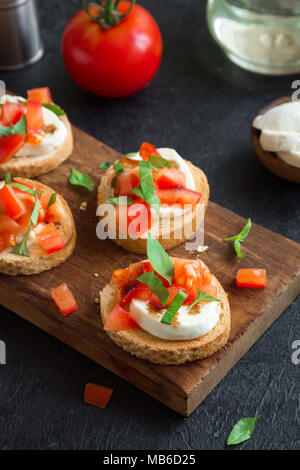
[(202, 105)]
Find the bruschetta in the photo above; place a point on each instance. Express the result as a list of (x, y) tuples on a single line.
[(172, 192), (37, 230), (35, 134), (167, 310)]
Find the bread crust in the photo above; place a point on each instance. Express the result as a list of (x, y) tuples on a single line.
[(144, 345), (33, 166), (39, 261), (140, 245)]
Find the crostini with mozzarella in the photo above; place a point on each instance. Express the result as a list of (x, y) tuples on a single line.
[(35, 134)]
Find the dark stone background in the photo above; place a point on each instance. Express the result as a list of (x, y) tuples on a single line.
[(202, 105)]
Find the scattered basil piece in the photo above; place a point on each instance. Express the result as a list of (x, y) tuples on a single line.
[(21, 248), (52, 199), (159, 259), (7, 178), (156, 286), (146, 190), (19, 128), (239, 238), (123, 200), (242, 430), (54, 108), (174, 307), (203, 297), (104, 165), (23, 188), (159, 161), (81, 179)]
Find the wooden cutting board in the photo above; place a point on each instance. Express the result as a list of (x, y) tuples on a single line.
[(179, 387)]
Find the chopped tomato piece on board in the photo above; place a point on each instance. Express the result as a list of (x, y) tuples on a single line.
[(146, 150), (97, 395), (11, 113), (41, 95), (168, 178), (64, 299), (49, 238), (10, 145), (11, 203), (251, 278), (181, 196), (119, 319), (34, 116)]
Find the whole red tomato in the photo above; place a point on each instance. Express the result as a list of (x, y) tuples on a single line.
[(112, 61)]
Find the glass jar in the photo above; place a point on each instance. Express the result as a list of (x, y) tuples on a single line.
[(259, 35)]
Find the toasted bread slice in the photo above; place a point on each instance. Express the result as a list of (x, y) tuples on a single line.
[(39, 261), (171, 238), (142, 344), (38, 165)]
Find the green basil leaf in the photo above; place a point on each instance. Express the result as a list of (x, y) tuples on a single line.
[(23, 188), (21, 248), (237, 247), (54, 108), (52, 199), (81, 179), (7, 178), (35, 212), (104, 165), (203, 297), (245, 230), (146, 190), (19, 128), (159, 161), (118, 168), (239, 238), (242, 430), (123, 200), (159, 259), (156, 286), (174, 307)]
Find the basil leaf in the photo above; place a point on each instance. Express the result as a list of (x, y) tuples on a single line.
[(159, 161), (23, 188), (146, 190), (239, 238), (7, 178), (123, 200), (19, 128), (81, 179), (242, 430), (203, 297), (104, 165), (21, 248), (54, 108), (35, 212), (156, 286), (174, 307), (118, 168), (52, 199), (159, 259)]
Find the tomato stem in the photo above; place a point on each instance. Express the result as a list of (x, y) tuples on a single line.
[(108, 12)]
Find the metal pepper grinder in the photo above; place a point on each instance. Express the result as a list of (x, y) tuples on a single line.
[(20, 41)]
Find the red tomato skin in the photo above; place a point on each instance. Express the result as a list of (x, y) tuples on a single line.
[(10, 202), (42, 95), (119, 319), (251, 278), (10, 145), (64, 299), (115, 62)]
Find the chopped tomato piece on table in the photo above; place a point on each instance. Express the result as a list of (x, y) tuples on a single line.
[(64, 299), (119, 319), (168, 178), (181, 196), (251, 278), (11, 113), (148, 149), (41, 95), (49, 238), (10, 145), (34, 116), (11, 203), (97, 395)]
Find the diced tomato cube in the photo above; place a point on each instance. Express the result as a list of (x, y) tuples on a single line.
[(34, 116), (168, 178), (10, 145), (41, 95), (8, 225), (119, 319), (126, 181), (64, 299), (148, 149), (97, 395), (251, 278), (181, 196), (11, 113), (11, 203), (49, 238)]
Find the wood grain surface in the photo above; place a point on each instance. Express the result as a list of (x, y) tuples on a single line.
[(179, 387)]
